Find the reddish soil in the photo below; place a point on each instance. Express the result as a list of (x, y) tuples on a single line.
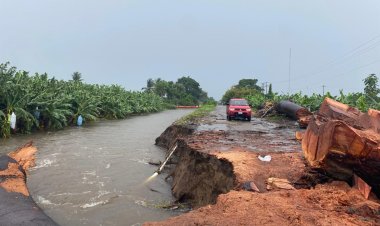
[(247, 166), (334, 203), (329, 204), (25, 156), (14, 178), (16, 206)]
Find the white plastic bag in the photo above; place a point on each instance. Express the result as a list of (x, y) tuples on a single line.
[(266, 158), (13, 120)]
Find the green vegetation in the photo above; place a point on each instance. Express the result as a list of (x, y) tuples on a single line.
[(40, 102), (257, 97), (196, 115), (186, 91), (245, 88)]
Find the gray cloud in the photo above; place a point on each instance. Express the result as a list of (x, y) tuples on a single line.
[(215, 42)]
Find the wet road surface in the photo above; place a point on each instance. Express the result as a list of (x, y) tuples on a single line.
[(257, 135)]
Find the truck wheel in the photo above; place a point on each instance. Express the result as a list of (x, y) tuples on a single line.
[(249, 119), (228, 118)]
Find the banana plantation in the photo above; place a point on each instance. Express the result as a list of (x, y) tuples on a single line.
[(248, 88), (40, 102)]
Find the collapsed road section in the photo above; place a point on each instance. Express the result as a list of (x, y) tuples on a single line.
[(16, 206), (255, 173)]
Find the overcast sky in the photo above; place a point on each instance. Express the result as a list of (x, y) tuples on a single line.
[(333, 43)]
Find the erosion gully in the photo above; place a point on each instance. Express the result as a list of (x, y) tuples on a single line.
[(94, 175)]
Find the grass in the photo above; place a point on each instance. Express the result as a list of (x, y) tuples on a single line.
[(276, 118), (193, 117)]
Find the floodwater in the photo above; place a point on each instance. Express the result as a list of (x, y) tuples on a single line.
[(94, 175)]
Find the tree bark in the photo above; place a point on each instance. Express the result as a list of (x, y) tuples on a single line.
[(295, 111), (343, 141)]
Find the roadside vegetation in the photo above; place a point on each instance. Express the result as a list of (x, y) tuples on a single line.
[(41, 102), (258, 97), (199, 113)]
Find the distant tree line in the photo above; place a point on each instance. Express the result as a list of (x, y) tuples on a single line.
[(244, 88), (185, 91)]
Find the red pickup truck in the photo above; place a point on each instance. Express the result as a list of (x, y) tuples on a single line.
[(238, 108)]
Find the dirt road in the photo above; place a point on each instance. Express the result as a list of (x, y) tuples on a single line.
[(258, 135), (220, 173)]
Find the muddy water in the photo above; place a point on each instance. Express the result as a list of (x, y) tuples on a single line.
[(94, 175)]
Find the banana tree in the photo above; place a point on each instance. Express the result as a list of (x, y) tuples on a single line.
[(15, 99)]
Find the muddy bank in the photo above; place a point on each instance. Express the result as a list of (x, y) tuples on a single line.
[(199, 178), (16, 206), (172, 134), (305, 197)]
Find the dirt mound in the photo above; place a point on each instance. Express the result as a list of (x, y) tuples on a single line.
[(330, 204)]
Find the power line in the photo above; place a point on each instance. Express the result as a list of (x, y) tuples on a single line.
[(353, 69), (357, 51), (350, 52), (264, 86)]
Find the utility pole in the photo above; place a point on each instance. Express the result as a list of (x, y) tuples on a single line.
[(323, 90), (290, 61), (264, 86)]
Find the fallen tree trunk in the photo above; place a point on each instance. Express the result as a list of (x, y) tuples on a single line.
[(295, 111), (344, 141)]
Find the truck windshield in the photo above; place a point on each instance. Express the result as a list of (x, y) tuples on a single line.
[(239, 102)]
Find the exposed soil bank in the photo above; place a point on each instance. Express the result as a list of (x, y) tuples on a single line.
[(171, 134), (16, 206), (198, 178), (216, 158)]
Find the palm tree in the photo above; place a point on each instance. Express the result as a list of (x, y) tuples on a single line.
[(149, 85), (77, 77)]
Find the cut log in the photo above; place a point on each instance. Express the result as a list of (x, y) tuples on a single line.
[(344, 141), (295, 111)]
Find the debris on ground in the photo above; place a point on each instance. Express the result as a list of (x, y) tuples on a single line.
[(279, 183), (362, 186), (266, 158), (250, 186), (268, 109)]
